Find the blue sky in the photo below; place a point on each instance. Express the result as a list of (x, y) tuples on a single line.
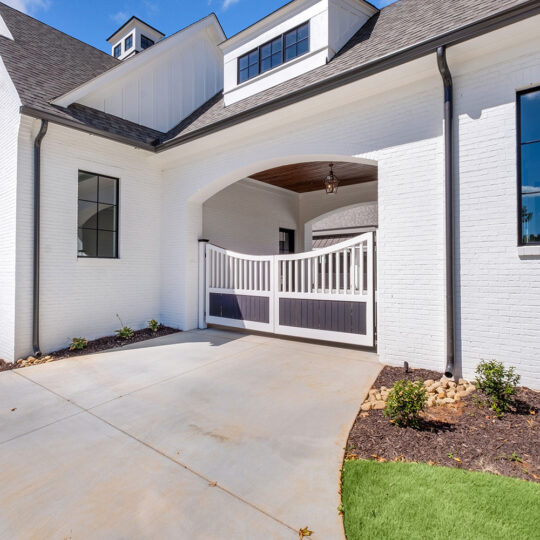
[(94, 21)]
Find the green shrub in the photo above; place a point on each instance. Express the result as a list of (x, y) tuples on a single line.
[(153, 325), (125, 332), (78, 344), (405, 402), (498, 384)]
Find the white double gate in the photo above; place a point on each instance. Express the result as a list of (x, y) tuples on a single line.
[(326, 294)]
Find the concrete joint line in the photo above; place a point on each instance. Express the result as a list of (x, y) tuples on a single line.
[(210, 482), (179, 463)]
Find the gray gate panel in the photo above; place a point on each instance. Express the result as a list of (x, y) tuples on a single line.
[(331, 315), (240, 307)]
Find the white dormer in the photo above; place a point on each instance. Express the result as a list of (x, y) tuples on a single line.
[(297, 38), (162, 85), (132, 37)]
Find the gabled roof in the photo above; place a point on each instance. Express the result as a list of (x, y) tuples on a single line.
[(138, 20), (396, 28), (45, 63)]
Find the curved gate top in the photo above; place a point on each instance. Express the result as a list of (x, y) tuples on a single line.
[(326, 294)]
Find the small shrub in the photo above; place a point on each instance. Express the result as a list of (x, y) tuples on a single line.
[(78, 344), (153, 325), (405, 402), (498, 384), (125, 332)]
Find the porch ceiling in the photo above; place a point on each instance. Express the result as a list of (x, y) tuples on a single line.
[(305, 177)]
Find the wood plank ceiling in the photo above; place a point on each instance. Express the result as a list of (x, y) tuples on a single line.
[(305, 177)]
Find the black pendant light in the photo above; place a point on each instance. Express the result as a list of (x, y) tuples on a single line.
[(331, 182)]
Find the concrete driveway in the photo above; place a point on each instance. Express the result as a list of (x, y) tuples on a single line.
[(198, 435)]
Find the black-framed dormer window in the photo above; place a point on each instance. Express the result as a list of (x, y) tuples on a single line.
[(118, 50), (146, 42), (128, 42), (97, 216), (529, 166), (281, 49)]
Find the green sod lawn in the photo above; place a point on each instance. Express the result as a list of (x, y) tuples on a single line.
[(413, 500)]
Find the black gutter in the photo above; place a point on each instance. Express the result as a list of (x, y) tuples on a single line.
[(37, 231), (470, 31), (449, 206), (62, 121)]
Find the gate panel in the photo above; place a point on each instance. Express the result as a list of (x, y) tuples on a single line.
[(326, 294), (238, 290)]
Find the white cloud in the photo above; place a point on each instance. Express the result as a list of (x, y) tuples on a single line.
[(120, 17), (28, 6), (228, 3)]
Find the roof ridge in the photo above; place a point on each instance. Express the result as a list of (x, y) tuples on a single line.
[(3, 4)]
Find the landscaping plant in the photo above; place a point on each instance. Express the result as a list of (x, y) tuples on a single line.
[(153, 325), (498, 384), (125, 332), (78, 344), (406, 401)]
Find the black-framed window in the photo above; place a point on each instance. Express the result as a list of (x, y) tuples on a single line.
[(279, 50), (146, 42), (97, 216), (286, 241), (128, 42), (118, 50), (529, 166)]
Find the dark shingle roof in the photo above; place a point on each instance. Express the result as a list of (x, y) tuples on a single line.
[(396, 27), (45, 63)]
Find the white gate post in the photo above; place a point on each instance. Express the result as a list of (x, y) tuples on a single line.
[(202, 283)]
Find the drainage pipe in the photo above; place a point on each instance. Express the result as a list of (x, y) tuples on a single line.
[(37, 212), (449, 214)]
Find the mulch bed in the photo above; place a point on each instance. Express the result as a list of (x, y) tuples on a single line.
[(464, 434), (104, 344)]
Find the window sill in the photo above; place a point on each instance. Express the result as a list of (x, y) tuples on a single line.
[(529, 251)]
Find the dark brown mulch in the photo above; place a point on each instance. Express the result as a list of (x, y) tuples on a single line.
[(113, 342), (464, 434), (103, 344)]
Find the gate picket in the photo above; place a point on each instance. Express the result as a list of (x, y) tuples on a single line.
[(326, 294)]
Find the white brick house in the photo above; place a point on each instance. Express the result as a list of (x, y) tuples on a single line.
[(198, 146)]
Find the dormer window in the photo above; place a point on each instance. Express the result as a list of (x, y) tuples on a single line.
[(284, 48), (134, 36), (146, 42)]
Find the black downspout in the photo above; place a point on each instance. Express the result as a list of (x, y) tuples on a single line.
[(449, 197), (37, 212)]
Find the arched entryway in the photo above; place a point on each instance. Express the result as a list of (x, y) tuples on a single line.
[(256, 225)]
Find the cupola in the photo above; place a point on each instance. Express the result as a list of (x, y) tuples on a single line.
[(133, 37)]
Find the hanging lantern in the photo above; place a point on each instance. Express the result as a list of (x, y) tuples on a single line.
[(331, 182)]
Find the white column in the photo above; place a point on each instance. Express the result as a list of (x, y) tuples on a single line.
[(202, 283)]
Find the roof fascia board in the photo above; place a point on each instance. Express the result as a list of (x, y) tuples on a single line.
[(137, 61), (419, 50), (130, 20), (42, 115), (277, 15)]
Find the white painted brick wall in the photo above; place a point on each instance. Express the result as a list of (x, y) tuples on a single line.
[(499, 293), (9, 127), (246, 217), (401, 128), (80, 297)]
